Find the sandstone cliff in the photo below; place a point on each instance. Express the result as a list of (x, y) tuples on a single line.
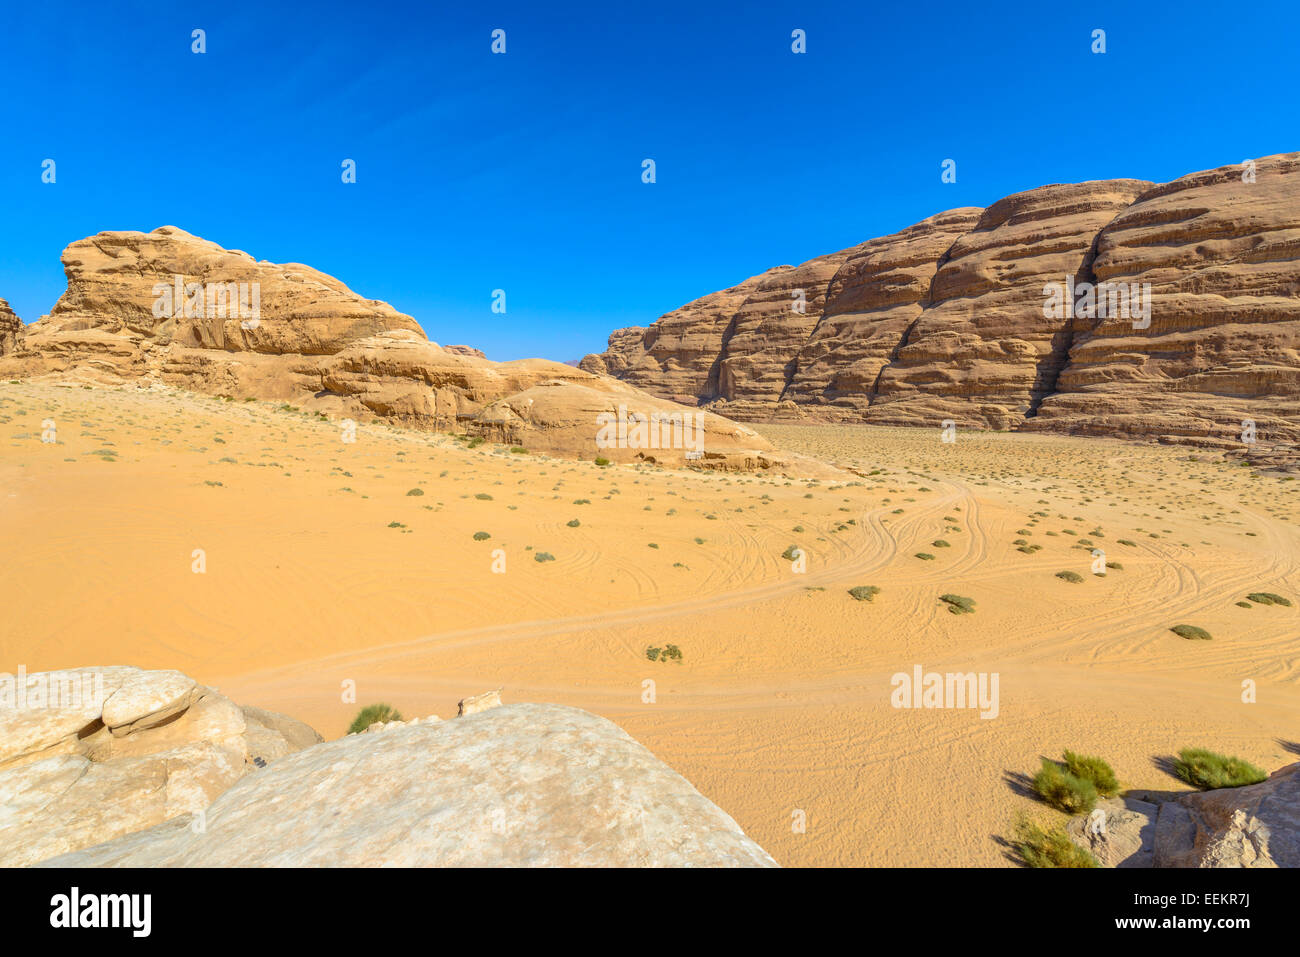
[(167, 307), (951, 319)]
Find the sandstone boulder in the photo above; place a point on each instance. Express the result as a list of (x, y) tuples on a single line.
[(90, 754), (516, 785)]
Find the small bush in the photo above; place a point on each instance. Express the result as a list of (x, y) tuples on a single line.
[(1040, 848), (602, 461), (481, 536), (1093, 769), (573, 523), (1268, 598), (864, 592), (925, 556), (958, 604), (1206, 769), (789, 553), (483, 497), (940, 543), (543, 557), (372, 713), (1072, 577), (1063, 790), (1191, 632), (519, 450), (396, 525), (416, 491), (1125, 541)]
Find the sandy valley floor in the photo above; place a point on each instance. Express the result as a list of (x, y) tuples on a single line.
[(330, 562)]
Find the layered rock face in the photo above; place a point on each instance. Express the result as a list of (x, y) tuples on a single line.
[(167, 307), (873, 302), (1253, 826), (90, 754), (982, 352), (503, 786), (1222, 257), (954, 318), (11, 328)]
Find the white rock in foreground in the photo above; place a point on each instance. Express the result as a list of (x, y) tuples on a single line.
[(518, 785), (91, 754)]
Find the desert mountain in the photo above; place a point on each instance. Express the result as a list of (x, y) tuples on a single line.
[(953, 318), (170, 308)]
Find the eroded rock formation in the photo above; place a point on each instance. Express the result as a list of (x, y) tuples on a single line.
[(951, 319), (167, 307)]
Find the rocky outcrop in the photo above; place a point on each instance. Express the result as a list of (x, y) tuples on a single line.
[(1253, 826), (512, 786), (167, 307), (873, 302), (11, 328), (94, 753), (1222, 260), (954, 318)]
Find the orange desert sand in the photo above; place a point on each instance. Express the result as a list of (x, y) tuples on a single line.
[(781, 703)]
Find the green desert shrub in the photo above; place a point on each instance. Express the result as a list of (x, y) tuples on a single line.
[(1092, 769), (602, 461), (416, 491), (483, 497), (1072, 577), (864, 592), (573, 523), (1268, 598), (1040, 848), (372, 713), (940, 543), (1191, 632), (959, 604), (1125, 541), (1239, 604), (789, 554), (543, 557), (481, 536), (1206, 769), (1063, 790), (925, 556)]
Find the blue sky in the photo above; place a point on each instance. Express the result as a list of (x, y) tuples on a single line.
[(523, 171)]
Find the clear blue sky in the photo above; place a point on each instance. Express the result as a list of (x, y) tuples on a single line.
[(523, 172)]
